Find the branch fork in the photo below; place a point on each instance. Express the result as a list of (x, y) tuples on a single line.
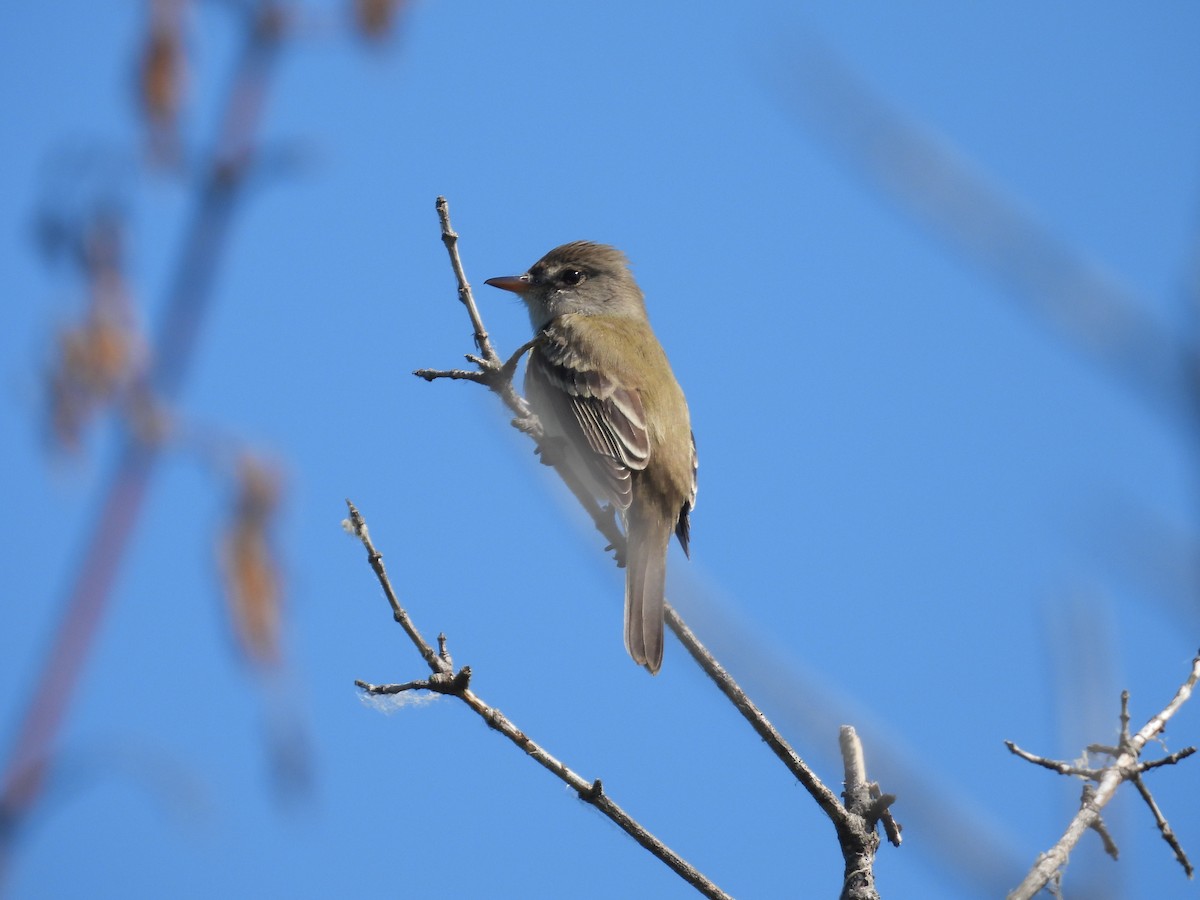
[(444, 680), (1126, 765)]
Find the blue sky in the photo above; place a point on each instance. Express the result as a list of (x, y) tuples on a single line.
[(923, 509)]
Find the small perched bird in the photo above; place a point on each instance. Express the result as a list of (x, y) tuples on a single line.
[(602, 387)]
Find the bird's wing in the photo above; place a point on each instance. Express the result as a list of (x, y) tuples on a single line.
[(683, 527), (604, 419)]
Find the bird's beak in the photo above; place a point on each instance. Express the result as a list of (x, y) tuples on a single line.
[(518, 284)]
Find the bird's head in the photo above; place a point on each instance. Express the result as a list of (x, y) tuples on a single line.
[(581, 277)]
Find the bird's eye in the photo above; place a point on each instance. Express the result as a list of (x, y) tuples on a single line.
[(572, 277)]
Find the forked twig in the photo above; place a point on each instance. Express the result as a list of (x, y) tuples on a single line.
[(445, 680), (1125, 766)]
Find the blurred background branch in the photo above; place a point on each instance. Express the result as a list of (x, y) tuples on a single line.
[(105, 364), (925, 176)]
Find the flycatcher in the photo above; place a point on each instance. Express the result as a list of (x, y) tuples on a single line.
[(601, 385)]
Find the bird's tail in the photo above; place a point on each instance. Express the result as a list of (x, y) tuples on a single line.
[(645, 583)]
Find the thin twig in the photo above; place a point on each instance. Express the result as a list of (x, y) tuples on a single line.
[(1086, 796), (1124, 767), (495, 374), (358, 527), (762, 726), (1168, 760), (465, 296), (457, 685), (453, 374), (1054, 765), (884, 802), (1164, 829)]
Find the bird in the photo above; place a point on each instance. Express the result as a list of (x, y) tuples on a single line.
[(613, 414)]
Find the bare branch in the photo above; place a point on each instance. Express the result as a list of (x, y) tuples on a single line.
[(882, 809), (1110, 846), (1054, 765), (825, 798), (857, 836), (454, 374), (1163, 828), (1157, 724), (494, 373), (358, 527), (439, 683), (1124, 767), (384, 689), (445, 681), (450, 239), (1169, 760)]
